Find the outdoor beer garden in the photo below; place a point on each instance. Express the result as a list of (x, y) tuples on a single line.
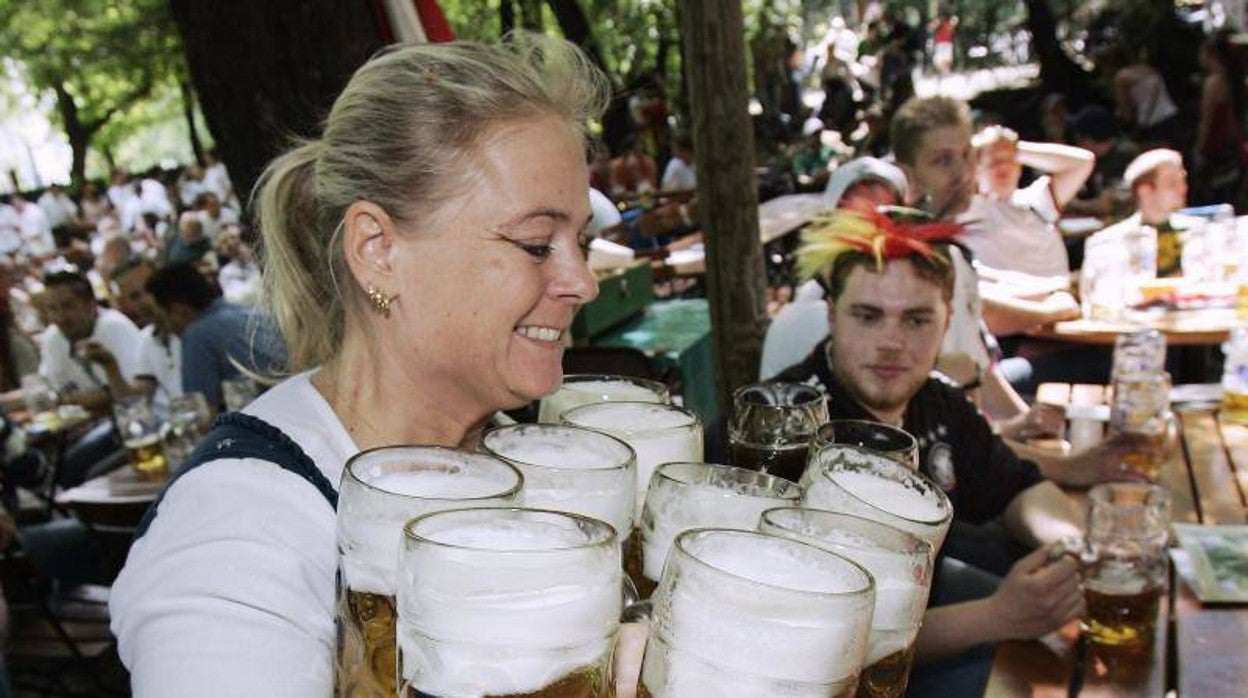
[(616, 348)]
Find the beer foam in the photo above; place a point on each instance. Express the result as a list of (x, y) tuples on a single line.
[(578, 393), (1118, 577), (441, 484), (889, 495), (569, 449), (792, 637), (676, 508), (475, 623)]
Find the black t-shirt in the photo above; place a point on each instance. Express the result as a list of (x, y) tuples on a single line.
[(957, 447)]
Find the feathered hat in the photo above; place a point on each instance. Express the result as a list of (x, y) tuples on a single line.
[(884, 232)]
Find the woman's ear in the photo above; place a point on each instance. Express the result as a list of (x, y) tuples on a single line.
[(368, 242)]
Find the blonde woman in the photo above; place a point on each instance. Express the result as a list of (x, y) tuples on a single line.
[(423, 260)]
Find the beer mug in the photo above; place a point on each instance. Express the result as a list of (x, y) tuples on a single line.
[(189, 421), (587, 389), (1143, 351), (381, 489), (570, 469), (508, 602), (1141, 409), (772, 426), (885, 440), (694, 495), (852, 480), (140, 432), (37, 394), (658, 433), (238, 392), (901, 566), (750, 615), (1124, 560)]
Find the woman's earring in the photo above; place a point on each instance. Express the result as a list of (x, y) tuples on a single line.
[(380, 300)]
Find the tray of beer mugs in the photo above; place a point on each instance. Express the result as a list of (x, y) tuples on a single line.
[(1216, 565)]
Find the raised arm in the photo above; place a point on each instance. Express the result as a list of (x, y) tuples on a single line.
[(1069, 166)]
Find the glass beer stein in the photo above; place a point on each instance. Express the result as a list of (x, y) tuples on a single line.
[(772, 426), (522, 603), (886, 440), (381, 489), (901, 566), (587, 389), (750, 615)]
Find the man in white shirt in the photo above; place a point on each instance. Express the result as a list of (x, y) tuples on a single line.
[(87, 349), (36, 232), (1013, 229), (10, 228), (239, 279), (679, 175), (216, 178), (58, 207), (158, 364), (214, 216)]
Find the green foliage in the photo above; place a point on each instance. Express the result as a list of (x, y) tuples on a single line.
[(100, 57)]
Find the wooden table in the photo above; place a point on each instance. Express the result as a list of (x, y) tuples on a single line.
[(1199, 651), (101, 502), (1181, 327), (777, 218)]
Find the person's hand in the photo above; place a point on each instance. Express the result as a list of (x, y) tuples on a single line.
[(1106, 461), (1042, 420), (630, 648), (1039, 595), (95, 353)]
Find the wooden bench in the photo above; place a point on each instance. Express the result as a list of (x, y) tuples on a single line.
[(1199, 650)]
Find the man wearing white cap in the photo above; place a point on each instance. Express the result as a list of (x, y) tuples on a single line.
[(1158, 182)]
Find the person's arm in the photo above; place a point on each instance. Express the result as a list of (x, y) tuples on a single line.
[(1042, 514), (231, 590), (1102, 462), (1068, 166), (1035, 598), (1006, 314)]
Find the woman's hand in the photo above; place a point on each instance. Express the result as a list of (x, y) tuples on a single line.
[(630, 648)]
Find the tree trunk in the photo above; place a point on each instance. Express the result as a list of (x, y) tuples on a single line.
[(1058, 73), (714, 50), (531, 15), (188, 111), (506, 16), (267, 71), (576, 28), (78, 134)]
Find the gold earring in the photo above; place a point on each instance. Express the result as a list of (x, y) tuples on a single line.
[(380, 300)]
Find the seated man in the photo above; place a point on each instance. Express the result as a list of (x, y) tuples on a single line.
[(158, 370), (1158, 182), (216, 336), (888, 312), (1013, 229)]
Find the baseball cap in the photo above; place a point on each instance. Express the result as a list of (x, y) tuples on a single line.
[(862, 169)]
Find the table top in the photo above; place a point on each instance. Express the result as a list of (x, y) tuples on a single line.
[(1198, 650), (1181, 327), (776, 218)]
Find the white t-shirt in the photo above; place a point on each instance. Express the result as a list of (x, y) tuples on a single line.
[(69, 372), (231, 591), (678, 176), (59, 209), (161, 362), (36, 232), (10, 230), (966, 333), (240, 283), (1020, 235), (217, 181), (213, 226)]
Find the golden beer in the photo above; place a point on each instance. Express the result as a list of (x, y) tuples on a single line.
[(1122, 620), (366, 631), (845, 692), (888, 677), (590, 682), (1148, 455), (1234, 407), (148, 456)]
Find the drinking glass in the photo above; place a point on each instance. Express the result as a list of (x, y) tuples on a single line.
[(750, 615), (1125, 564), (571, 469), (140, 432), (588, 389), (901, 566), (853, 480), (1143, 351), (381, 489), (772, 426), (1141, 409), (508, 602), (238, 391), (37, 394), (885, 440), (692, 495), (189, 421)]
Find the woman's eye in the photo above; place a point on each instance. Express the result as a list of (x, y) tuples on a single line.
[(538, 251)]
